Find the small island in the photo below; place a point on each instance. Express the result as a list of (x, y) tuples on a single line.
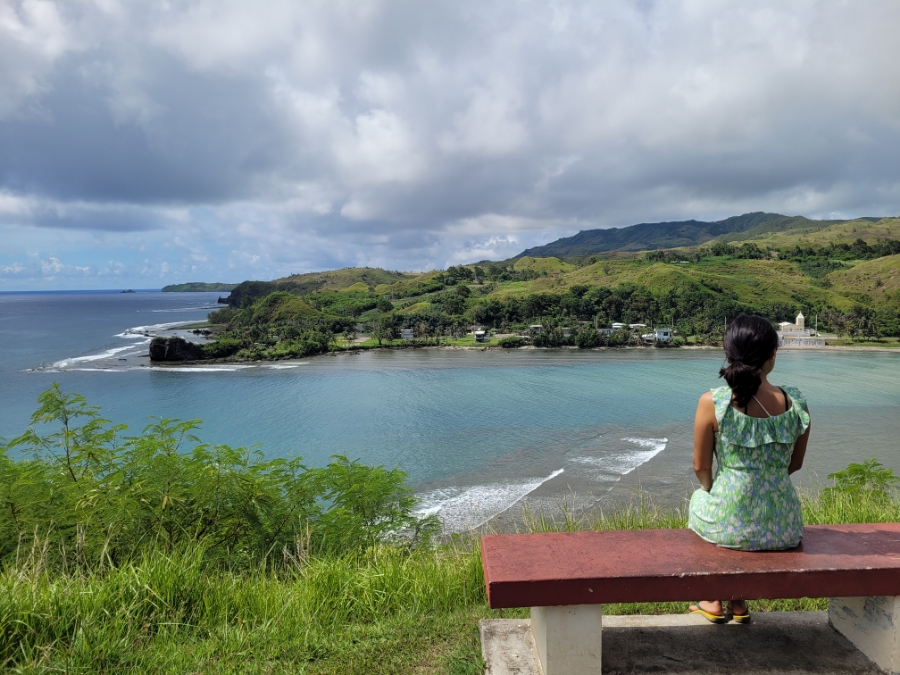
[(198, 287), (130, 290)]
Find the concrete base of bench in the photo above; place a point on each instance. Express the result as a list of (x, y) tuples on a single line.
[(682, 644), (873, 625)]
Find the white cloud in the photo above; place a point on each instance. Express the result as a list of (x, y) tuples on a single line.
[(52, 266), (15, 268), (381, 150), (489, 125), (33, 35), (279, 137)]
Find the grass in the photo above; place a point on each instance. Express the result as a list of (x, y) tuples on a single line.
[(887, 342), (385, 610), (844, 232)]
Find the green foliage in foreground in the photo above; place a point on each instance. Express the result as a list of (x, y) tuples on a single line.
[(91, 495), (358, 605), (386, 609)]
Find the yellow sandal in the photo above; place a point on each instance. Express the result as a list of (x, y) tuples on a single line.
[(709, 616)]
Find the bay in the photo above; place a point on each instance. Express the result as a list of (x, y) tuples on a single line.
[(477, 431)]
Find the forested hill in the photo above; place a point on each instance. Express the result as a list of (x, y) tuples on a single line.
[(355, 278), (673, 234)]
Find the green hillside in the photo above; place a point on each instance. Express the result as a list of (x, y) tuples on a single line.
[(649, 236), (846, 273), (770, 228), (803, 232), (304, 284), (874, 282)]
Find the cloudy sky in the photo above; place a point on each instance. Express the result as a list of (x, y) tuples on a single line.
[(154, 142)]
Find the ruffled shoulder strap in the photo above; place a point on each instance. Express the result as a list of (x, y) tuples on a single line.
[(722, 400), (798, 406), (795, 395)]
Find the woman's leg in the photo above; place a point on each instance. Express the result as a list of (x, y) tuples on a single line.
[(738, 608)]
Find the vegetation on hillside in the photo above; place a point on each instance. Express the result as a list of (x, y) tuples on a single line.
[(645, 236), (246, 292), (852, 289), (163, 554), (767, 264)]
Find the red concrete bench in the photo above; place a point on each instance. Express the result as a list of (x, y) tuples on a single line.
[(565, 578)]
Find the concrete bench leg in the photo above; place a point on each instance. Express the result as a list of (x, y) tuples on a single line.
[(568, 638), (873, 625)]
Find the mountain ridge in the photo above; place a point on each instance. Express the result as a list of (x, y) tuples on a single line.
[(675, 234)]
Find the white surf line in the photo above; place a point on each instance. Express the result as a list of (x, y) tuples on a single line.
[(134, 333), (655, 445), (185, 309), (140, 331), (92, 357), (476, 505), (197, 369)]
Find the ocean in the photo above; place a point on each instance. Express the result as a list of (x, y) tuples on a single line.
[(478, 432)]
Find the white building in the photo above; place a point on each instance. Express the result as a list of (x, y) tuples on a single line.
[(663, 334), (799, 325)]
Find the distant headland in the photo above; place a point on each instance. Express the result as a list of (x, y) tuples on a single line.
[(198, 287)]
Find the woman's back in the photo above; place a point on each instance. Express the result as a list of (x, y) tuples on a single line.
[(752, 504)]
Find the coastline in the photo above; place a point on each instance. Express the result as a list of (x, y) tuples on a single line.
[(114, 362), (354, 351)]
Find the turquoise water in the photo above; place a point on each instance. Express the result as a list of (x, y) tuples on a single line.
[(475, 431)]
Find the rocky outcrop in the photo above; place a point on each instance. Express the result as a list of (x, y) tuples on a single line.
[(174, 349)]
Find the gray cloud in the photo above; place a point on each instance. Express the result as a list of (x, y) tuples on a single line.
[(290, 136)]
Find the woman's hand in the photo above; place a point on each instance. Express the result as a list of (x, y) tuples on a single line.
[(705, 428)]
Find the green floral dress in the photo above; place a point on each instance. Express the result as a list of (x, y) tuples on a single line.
[(752, 505)]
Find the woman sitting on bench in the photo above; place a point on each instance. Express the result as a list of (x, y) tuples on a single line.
[(758, 434)]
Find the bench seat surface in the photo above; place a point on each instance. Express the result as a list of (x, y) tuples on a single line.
[(579, 568)]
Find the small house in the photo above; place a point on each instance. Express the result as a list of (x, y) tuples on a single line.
[(481, 336), (535, 329), (406, 334), (662, 334)]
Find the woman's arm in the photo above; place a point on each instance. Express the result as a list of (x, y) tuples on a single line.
[(705, 427), (799, 449)]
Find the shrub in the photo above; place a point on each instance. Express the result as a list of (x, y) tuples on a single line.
[(85, 492), (512, 342), (222, 316), (869, 477), (587, 339), (223, 347)]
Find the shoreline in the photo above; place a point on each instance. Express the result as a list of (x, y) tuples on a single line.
[(355, 351), (113, 362)]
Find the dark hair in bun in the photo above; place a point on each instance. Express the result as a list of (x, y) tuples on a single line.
[(749, 343)]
